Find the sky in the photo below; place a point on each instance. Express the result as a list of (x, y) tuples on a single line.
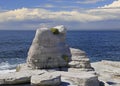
[(74, 14)]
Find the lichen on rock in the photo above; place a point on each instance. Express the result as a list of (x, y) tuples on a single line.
[(54, 31), (65, 57)]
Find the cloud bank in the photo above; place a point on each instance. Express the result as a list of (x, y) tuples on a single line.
[(105, 13)]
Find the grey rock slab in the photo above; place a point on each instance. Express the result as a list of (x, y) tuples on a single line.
[(47, 79), (108, 71), (77, 52), (77, 64), (79, 58), (111, 63), (79, 79), (77, 70), (19, 77)]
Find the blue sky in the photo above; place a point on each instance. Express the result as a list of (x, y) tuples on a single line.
[(74, 14), (16, 4)]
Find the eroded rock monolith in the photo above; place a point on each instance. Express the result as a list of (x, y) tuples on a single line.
[(48, 49)]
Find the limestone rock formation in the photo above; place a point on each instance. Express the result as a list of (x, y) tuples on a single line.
[(52, 62), (79, 61), (19, 77), (48, 49), (79, 79), (108, 71), (48, 79), (22, 67)]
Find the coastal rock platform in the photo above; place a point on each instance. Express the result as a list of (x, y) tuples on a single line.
[(108, 72), (43, 78), (51, 62)]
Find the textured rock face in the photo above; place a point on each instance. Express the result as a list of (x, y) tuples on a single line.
[(48, 79), (19, 77), (22, 67), (108, 71), (79, 61), (79, 79), (51, 62), (47, 49)]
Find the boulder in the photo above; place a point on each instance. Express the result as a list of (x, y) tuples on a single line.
[(47, 49), (47, 79), (19, 77)]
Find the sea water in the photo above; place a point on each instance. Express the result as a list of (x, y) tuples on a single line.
[(99, 45)]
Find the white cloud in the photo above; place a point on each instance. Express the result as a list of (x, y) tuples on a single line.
[(35, 14), (38, 14), (107, 12), (23, 14), (115, 4)]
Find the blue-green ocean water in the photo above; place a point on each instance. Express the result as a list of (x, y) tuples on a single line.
[(99, 45)]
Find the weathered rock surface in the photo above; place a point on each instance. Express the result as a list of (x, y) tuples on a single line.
[(51, 62), (47, 79), (47, 49), (19, 77), (22, 67), (79, 61), (108, 72), (79, 79)]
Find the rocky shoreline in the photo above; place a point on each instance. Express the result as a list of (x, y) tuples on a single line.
[(108, 72), (51, 62)]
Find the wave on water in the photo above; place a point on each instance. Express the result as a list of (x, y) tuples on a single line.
[(5, 67)]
